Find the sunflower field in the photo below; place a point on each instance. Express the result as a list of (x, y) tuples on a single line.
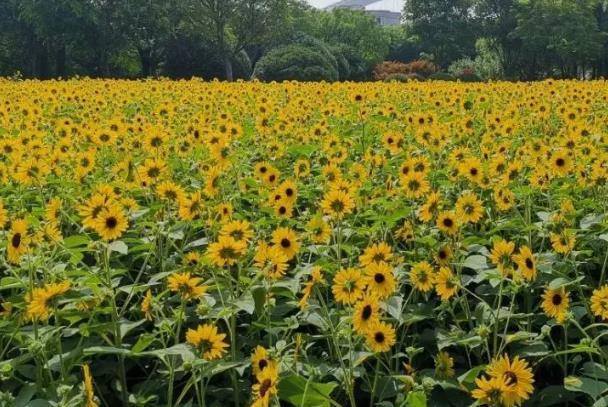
[(190, 243)]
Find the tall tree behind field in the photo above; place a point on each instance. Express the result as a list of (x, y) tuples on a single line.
[(232, 26), (445, 29)]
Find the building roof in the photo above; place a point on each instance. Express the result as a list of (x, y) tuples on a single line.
[(389, 5)]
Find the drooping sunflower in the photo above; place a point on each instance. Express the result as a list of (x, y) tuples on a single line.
[(422, 276), (380, 337), (316, 277), (500, 256), (271, 260), (337, 203), (489, 391), (186, 285), (376, 253), (444, 254), (287, 240), (444, 365), (18, 241), (3, 214), (380, 279), (517, 376), (555, 303), (147, 304), (40, 300), (89, 393), (319, 230), (206, 339), (599, 302), (366, 313), (446, 283), (469, 208), (348, 286), (239, 230), (563, 242), (111, 223), (430, 208), (226, 251), (526, 263)]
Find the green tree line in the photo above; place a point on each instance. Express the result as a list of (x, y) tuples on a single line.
[(287, 39)]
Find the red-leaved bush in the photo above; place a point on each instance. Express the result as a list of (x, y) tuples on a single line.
[(418, 67)]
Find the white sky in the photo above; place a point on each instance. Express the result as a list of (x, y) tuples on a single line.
[(394, 5)]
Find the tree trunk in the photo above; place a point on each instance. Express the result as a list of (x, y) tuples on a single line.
[(146, 65), (60, 56), (228, 67)]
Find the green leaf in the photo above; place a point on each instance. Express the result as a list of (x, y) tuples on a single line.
[(119, 246), (72, 242), (305, 393), (475, 262), (471, 375), (592, 387), (416, 399)]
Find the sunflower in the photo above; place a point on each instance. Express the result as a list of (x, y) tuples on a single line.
[(3, 214), (191, 208), (187, 286), (348, 286), (319, 230), (287, 240), (555, 303), (430, 207), (380, 337), (500, 256), (563, 242), (91, 209), (444, 365), (517, 377), (489, 391), (260, 360), (422, 276), (366, 313), (170, 192), (415, 185), (316, 277), (444, 255), (380, 279), (18, 241), (526, 263), (226, 251), (283, 208), (337, 203), (301, 168), (271, 260), (446, 283), (152, 171), (239, 230), (469, 208), (599, 302), (111, 223), (146, 305), (40, 302), (376, 253), (207, 340), (447, 223), (561, 164), (89, 393), (504, 199), (265, 389)]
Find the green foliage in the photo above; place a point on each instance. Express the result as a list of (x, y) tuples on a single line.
[(442, 76), (296, 62)]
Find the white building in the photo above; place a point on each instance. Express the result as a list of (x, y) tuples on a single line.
[(386, 12)]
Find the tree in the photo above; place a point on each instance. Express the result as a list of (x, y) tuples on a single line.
[(356, 34), (445, 29), (560, 34), (234, 25)]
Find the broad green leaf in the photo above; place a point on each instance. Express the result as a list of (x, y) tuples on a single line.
[(299, 391)]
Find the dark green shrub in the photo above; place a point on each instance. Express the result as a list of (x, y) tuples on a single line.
[(396, 77), (469, 77), (442, 76), (296, 62)]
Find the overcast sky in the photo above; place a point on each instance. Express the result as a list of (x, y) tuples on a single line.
[(395, 5)]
